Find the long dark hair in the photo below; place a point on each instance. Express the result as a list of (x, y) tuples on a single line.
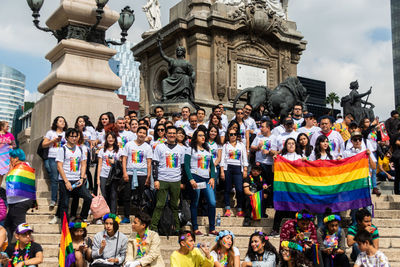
[(217, 138), (307, 149), (317, 149), (193, 142), (184, 133), (76, 123), (300, 260), (54, 124), (87, 121), (106, 144), (285, 151), (219, 125), (156, 135), (267, 247), (100, 126)]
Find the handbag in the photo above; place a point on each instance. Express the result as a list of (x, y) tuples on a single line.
[(99, 206)]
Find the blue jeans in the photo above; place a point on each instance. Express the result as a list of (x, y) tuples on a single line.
[(210, 196), (233, 174), (373, 178), (51, 167)]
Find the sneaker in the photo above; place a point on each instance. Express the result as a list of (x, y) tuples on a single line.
[(198, 232), (213, 232), (125, 221), (240, 214), (246, 222), (52, 204), (274, 233), (376, 192), (227, 213), (55, 220), (99, 221)]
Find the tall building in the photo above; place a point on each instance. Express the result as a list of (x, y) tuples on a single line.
[(12, 92), (124, 65), (395, 10)]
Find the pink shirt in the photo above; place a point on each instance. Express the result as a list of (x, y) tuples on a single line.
[(6, 138)]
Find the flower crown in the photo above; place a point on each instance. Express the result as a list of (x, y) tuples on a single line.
[(112, 216), (223, 233), (331, 218), (304, 216), (262, 234), (292, 245), (77, 225)]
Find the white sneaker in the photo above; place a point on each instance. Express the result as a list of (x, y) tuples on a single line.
[(52, 204), (99, 222), (55, 220)]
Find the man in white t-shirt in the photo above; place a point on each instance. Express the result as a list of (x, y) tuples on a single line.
[(159, 112), (71, 165), (288, 123), (126, 136), (309, 129), (249, 121), (297, 116), (168, 159), (192, 126), (184, 122)]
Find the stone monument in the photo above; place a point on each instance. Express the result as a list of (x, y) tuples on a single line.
[(231, 47), (81, 81), (153, 15)]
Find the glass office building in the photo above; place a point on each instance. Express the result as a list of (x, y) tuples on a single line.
[(124, 65), (395, 10), (12, 92)]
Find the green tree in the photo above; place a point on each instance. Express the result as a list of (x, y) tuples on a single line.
[(331, 99)]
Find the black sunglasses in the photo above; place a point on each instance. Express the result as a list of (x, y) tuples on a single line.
[(357, 139), (160, 130), (232, 134)]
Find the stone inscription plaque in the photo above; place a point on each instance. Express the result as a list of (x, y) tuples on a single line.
[(249, 76)]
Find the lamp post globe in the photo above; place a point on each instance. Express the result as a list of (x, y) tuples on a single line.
[(35, 6), (126, 18)]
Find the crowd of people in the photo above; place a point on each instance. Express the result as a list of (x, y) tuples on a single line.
[(190, 162)]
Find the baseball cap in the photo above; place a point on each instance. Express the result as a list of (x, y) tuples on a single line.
[(356, 133), (288, 121), (308, 115), (23, 228)]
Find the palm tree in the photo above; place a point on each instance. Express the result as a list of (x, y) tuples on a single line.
[(331, 99)]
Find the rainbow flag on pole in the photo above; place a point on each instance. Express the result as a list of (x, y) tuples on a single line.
[(256, 204), (4, 158), (66, 256), (315, 185), (20, 182)]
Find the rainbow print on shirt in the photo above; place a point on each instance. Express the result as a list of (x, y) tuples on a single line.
[(213, 153), (332, 145), (137, 156), (203, 162), (171, 160), (107, 161), (124, 140), (74, 164), (235, 154), (266, 144)]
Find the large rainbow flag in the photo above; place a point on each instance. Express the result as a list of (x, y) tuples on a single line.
[(66, 255), (316, 185), (256, 204), (4, 158), (20, 182)]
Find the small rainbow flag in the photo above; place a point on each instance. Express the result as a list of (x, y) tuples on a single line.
[(66, 255), (203, 162), (59, 144), (315, 185), (20, 182), (172, 160), (137, 156), (235, 154), (256, 204), (74, 164), (266, 144), (124, 140), (4, 158)]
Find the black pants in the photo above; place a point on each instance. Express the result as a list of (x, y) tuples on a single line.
[(79, 192), (268, 175), (279, 215), (127, 195), (340, 260), (397, 179), (15, 216), (138, 191)]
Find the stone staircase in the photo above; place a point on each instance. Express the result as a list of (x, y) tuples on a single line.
[(387, 219)]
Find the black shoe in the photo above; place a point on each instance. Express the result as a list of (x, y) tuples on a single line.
[(246, 222)]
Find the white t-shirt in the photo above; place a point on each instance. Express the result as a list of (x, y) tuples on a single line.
[(354, 151), (170, 161), (267, 142), (242, 132), (214, 148), (250, 124), (278, 130), (234, 155), (312, 157), (335, 141), (280, 140), (106, 156), (217, 257), (126, 136), (153, 123), (72, 163), (309, 132), (189, 131), (55, 147), (377, 260), (92, 131), (87, 135), (182, 124), (292, 156), (297, 123), (154, 144), (200, 162), (137, 156), (100, 136)]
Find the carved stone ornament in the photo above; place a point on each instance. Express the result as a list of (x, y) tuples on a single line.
[(81, 32), (221, 68)]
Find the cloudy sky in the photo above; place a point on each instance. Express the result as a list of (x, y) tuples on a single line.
[(347, 40)]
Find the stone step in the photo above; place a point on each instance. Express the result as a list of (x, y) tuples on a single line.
[(391, 214)]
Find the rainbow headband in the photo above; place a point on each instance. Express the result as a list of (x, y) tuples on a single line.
[(304, 216), (224, 233), (77, 225), (112, 216), (331, 218), (292, 245)]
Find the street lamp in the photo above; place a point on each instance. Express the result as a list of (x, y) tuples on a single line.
[(86, 33)]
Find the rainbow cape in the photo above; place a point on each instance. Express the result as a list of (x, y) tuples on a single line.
[(256, 204), (20, 182), (66, 255), (315, 185), (4, 158)]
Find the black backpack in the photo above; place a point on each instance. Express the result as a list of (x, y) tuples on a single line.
[(166, 226), (148, 201), (42, 151)]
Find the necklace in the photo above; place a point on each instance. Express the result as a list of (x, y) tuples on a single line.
[(141, 243), (252, 179), (15, 258)]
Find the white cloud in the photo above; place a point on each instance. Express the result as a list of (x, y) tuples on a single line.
[(32, 97)]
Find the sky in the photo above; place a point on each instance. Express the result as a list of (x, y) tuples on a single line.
[(347, 40)]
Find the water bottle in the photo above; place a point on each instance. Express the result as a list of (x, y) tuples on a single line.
[(75, 185), (218, 220)]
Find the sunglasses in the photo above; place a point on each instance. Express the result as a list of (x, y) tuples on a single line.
[(239, 113), (357, 139), (232, 134), (160, 130)]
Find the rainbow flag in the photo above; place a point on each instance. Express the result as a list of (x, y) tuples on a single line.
[(315, 185), (4, 158), (256, 204), (74, 164), (137, 156), (203, 162), (66, 255), (172, 160), (20, 182), (235, 154)]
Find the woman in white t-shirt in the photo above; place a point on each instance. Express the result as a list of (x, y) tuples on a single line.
[(216, 121), (134, 126), (215, 145), (244, 133), (159, 135), (289, 150), (224, 253), (322, 150), (54, 140), (200, 170)]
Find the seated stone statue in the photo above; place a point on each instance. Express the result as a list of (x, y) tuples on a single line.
[(179, 85)]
